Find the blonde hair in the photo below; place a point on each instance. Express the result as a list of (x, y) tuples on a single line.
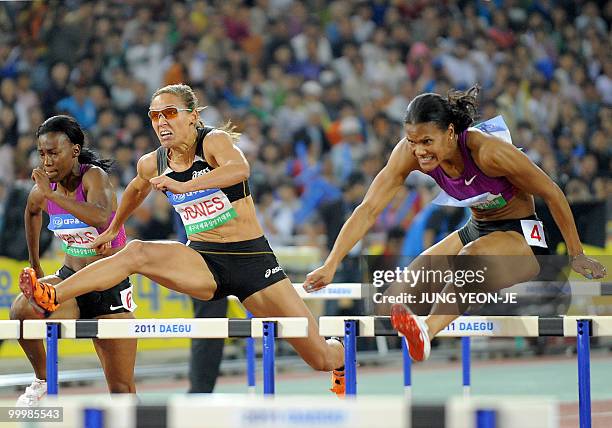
[(186, 94)]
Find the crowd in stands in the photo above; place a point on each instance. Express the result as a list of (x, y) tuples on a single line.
[(318, 90)]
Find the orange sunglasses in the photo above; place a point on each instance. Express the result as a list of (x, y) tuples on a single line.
[(168, 113)]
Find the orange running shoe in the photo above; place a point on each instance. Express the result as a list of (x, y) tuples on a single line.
[(337, 382), (415, 331), (40, 294)]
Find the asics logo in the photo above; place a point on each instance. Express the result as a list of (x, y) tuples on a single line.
[(272, 271), (197, 174), (468, 182)]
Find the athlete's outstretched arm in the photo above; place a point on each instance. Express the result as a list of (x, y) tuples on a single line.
[(33, 223), (134, 194), (502, 159), (384, 187), (231, 167)]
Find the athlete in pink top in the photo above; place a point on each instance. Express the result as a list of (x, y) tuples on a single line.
[(73, 186)]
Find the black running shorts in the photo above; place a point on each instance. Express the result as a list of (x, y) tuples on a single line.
[(240, 268), (97, 303), (474, 229)]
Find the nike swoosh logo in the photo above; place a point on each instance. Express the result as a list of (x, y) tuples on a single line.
[(114, 308), (468, 182)]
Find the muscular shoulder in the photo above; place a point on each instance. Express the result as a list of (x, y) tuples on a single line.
[(488, 151), (217, 139), (95, 176), (147, 165)]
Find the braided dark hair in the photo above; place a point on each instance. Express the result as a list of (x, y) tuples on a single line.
[(459, 108), (70, 127)]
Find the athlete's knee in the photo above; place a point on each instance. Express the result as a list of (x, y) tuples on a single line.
[(473, 248), (136, 254), (19, 308)]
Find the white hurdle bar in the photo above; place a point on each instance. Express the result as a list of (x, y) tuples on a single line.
[(266, 328), (9, 329)]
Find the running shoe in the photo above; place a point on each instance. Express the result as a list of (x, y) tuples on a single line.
[(415, 331), (337, 378), (40, 294), (33, 394)]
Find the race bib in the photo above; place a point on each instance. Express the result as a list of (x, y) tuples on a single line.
[(533, 231), (76, 236), (485, 201), (127, 298), (202, 210)]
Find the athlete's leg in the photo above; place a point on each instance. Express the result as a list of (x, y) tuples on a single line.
[(431, 259), (34, 349), (118, 357), (508, 260), (170, 264), (281, 300)]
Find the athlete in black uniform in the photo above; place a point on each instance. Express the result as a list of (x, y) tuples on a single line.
[(205, 177)]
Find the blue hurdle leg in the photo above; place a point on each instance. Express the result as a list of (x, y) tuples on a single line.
[(584, 372), (350, 357), (407, 369), (269, 331), (486, 418), (52, 357), (251, 363), (466, 364), (94, 418)]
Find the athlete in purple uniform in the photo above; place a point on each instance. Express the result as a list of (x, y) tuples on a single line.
[(72, 185), (476, 169)]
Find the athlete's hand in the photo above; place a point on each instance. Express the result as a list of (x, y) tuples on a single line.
[(102, 244), (42, 181), (319, 278), (588, 267), (163, 182)]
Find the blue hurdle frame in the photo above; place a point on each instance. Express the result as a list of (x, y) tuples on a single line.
[(350, 357), (269, 333), (53, 330), (466, 363), (583, 347)]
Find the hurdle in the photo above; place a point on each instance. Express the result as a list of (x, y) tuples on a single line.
[(211, 328), (305, 411), (493, 326), (357, 291)]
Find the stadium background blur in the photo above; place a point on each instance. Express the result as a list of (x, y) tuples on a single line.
[(318, 90)]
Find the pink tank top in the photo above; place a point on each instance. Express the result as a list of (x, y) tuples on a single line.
[(77, 236)]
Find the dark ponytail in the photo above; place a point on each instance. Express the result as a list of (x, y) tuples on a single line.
[(459, 108), (70, 127)]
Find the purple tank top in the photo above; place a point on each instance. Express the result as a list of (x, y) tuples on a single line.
[(474, 188), (75, 235)]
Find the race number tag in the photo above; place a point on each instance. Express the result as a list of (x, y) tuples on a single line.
[(202, 210), (76, 235), (127, 298), (533, 231)]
